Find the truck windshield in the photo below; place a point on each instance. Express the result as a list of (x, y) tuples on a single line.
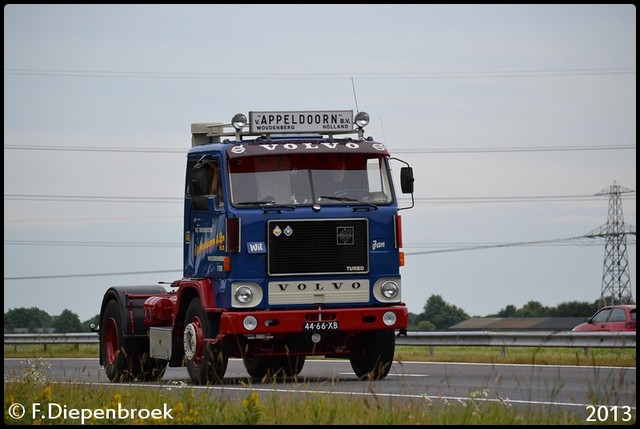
[(305, 179)]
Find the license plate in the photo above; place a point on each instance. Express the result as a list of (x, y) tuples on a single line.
[(321, 326)]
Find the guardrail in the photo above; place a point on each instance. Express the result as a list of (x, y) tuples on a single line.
[(81, 338), (502, 339), (45, 339)]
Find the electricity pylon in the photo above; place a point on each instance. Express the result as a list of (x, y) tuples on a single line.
[(615, 274)]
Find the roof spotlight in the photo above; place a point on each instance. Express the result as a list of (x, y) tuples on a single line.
[(362, 119), (239, 121)]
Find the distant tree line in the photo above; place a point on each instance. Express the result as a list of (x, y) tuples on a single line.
[(34, 320), (437, 314)]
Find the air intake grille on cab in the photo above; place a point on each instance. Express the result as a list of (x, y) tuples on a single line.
[(332, 246)]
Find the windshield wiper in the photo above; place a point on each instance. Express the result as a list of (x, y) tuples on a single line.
[(267, 205), (349, 200), (256, 203)]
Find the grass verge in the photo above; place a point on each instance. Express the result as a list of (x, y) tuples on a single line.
[(515, 355)]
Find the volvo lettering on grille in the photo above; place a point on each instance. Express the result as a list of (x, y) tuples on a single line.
[(338, 291)]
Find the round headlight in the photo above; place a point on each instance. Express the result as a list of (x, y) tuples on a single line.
[(362, 119), (244, 294), (389, 289), (239, 121)]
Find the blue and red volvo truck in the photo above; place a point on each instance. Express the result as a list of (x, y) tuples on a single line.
[(292, 248)]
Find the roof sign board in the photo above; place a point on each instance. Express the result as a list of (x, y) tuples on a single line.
[(301, 122)]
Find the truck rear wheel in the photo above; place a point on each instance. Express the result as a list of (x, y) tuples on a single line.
[(117, 363), (206, 364), (125, 364), (372, 355), (289, 366)]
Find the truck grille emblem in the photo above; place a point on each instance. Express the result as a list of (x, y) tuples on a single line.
[(345, 236)]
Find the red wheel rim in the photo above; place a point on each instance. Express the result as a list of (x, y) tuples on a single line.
[(111, 341)]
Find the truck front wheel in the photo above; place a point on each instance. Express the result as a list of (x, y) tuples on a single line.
[(206, 364), (372, 354)]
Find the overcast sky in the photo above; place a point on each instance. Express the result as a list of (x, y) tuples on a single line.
[(513, 118)]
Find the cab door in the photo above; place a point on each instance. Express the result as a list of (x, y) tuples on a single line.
[(205, 242)]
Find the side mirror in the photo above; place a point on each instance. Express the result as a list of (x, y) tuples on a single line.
[(406, 180)]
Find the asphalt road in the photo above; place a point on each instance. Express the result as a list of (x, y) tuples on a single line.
[(571, 387)]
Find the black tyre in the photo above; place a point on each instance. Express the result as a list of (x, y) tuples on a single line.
[(125, 363), (372, 354), (150, 369), (279, 366), (257, 367), (118, 362), (205, 364), (291, 366)]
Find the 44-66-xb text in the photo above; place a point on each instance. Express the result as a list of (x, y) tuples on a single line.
[(321, 326)]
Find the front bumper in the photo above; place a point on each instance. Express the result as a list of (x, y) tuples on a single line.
[(282, 322)]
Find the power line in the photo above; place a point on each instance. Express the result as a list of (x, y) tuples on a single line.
[(575, 240), (487, 74), (455, 246), (414, 151), (87, 198), (516, 149), (64, 276), (493, 246), (509, 199), (177, 245), (90, 219), (87, 243), (95, 149), (430, 200)]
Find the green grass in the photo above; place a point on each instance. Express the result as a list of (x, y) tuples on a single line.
[(516, 355), (51, 351), (520, 355), (186, 406)]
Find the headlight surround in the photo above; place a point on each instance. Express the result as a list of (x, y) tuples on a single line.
[(245, 295), (387, 290)]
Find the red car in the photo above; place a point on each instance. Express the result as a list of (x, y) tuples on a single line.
[(610, 318)]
